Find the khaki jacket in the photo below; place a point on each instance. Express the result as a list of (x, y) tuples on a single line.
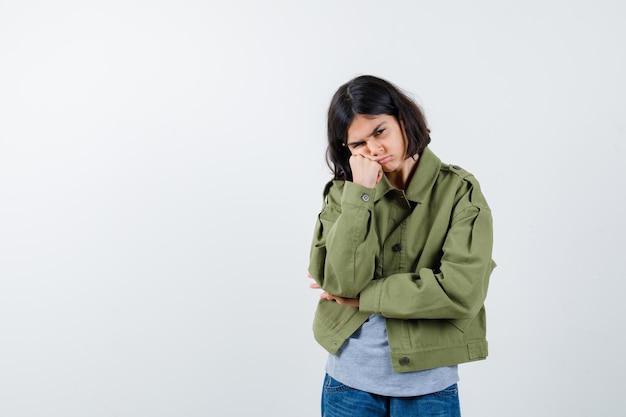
[(420, 258)]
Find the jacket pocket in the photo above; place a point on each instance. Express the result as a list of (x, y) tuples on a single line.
[(461, 324)]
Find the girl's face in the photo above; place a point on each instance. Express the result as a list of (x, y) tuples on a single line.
[(380, 138)]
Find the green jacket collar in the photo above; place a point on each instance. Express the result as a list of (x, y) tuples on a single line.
[(422, 182)]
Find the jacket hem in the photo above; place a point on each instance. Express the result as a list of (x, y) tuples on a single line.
[(331, 338), (428, 359)]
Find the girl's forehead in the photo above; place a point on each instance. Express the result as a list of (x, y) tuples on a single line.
[(364, 125), (364, 120)]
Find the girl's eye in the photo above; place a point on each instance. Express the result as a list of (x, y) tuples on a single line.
[(379, 132), (356, 145)]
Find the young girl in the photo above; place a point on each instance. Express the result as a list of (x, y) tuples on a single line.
[(402, 252)]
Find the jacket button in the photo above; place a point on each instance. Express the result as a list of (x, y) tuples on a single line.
[(456, 167), (397, 247), (365, 197), (404, 361)]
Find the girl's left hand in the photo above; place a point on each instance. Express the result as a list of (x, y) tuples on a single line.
[(352, 302)]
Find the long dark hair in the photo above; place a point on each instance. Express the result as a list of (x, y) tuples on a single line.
[(370, 95)]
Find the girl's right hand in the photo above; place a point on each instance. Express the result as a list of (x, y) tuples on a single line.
[(365, 172)]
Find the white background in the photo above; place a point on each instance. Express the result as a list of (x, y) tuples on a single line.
[(161, 167)]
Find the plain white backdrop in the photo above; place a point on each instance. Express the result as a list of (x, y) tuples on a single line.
[(161, 167)]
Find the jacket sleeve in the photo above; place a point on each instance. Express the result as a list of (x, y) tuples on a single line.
[(344, 244), (458, 287)]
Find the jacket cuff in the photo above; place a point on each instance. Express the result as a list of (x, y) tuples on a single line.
[(359, 195)]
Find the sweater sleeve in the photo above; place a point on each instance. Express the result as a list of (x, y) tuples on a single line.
[(344, 244), (457, 288)]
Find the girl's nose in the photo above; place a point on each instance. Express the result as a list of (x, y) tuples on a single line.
[(374, 147)]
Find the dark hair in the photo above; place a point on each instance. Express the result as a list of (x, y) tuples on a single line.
[(370, 95)]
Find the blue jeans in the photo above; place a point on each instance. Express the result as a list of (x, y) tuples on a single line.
[(339, 400)]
